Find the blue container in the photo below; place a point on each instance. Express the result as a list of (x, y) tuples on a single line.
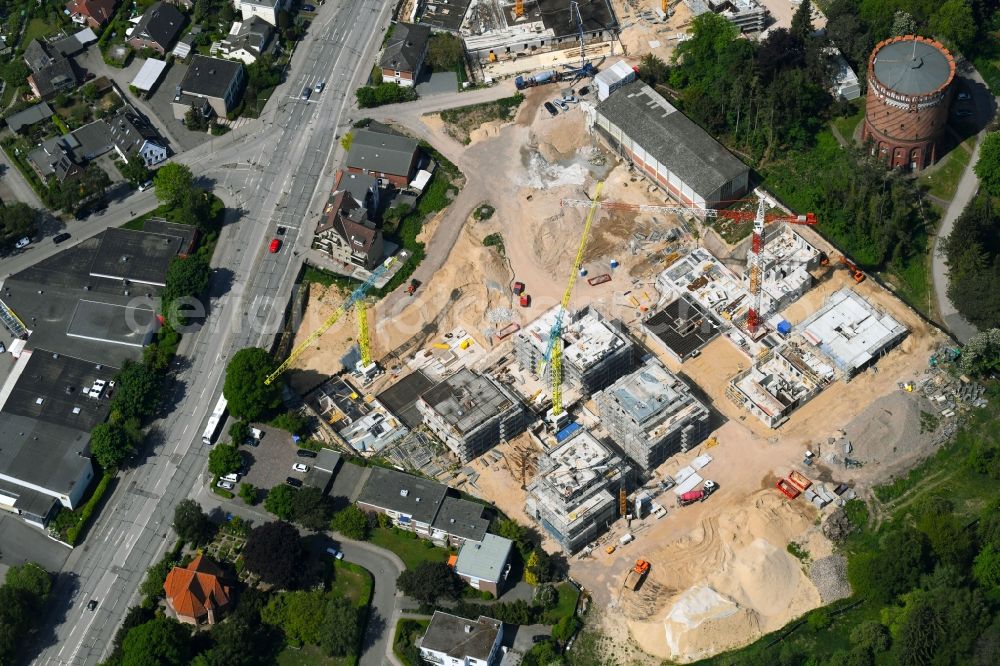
[(784, 327), (614, 263)]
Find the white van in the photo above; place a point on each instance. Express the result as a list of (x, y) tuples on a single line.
[(231, 478)]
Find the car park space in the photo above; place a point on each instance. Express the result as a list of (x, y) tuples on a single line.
[(269, 463)]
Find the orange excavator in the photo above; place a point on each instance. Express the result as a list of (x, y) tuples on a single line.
[(856, 272)]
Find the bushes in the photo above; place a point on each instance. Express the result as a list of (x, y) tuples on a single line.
[(82, 515), (383, 93)]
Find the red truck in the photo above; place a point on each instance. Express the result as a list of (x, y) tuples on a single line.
[(693, 496), (525, 300), (518, 288), (412, 288)]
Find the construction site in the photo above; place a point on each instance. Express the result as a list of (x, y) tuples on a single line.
[(631, 384)]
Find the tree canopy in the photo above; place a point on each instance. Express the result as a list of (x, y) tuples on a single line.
[(224, 459), (17, 220), (973, 254), (162, 641), (250, 399), (273, 552), (430, 581), (135, 170), (110, 445), (191, 523), (981, 354), (987, 168), (352, 522), (173, 182), (280, 501), (312, 508), (186, 277)]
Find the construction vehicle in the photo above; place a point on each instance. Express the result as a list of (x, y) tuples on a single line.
[(518, 288), (856, 273), (548, 76), (553, 352), (693, 496), (599, 279), (637, 574), (824, 259), (525, 300), (759, 220), (412, 288), (353, 299)]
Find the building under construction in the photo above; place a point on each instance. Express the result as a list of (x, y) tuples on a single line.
[(785, 262), (652, 415), (595, 351), (471, 413), (494, 27), (780, 380), (747, 15), (573, 496)]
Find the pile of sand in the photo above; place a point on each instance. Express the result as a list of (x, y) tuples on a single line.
[(888, 430), (734, 578)]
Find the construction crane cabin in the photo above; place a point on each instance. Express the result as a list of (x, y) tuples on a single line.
[(557, 417), (365, 367)]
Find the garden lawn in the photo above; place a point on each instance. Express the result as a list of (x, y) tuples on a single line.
[(847, 125), (943, 181), (36, 29), (566, 606), (409, 547), (407, 633)]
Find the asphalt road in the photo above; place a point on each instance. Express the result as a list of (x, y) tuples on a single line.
[(269, 172)]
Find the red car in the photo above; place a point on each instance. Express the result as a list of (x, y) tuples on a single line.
[(275, 245)]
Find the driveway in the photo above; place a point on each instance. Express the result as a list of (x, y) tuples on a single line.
[(20, 543)]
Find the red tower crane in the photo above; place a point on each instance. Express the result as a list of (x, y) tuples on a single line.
[(759, 219)]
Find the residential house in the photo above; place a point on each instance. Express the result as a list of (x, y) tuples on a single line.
[(196, 593), (345, 233), (29, 117), (451, 640), (93, 140), (391, 158), (56, 157), (266, 9), (404, 53), (410, 501), (93, 13), (362, 188), (132, 134), (247, 40), (484, 564), (459, 521), (218, 82), (51, 72), (159, 26)]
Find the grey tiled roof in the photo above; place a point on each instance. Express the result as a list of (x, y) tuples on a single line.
[(671, 138), (406, 47), (381, 153)]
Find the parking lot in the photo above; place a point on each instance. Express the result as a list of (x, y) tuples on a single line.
[(270, 462)]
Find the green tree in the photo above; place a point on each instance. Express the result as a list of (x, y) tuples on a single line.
[(249, 397), (981, 354), (239, 432), (972, 251), (110, 445), (352, 522), (162, 641), (530, 568), (224, 459), (893, 568), (653, 70), (274, 552), (987, 168), (565, 628), (17, 220), (173, 181), (299, 614), (870, 636), (429, 581), (191, 523), (135, 170), (248, 493), (31, 579), (136, 391), (280, 501), (802, 27), (312, 508), (186, 277), (341, 627), (17, 613), (903, 24), (444, 52), (953, 21), (15, 72), (986, 569)]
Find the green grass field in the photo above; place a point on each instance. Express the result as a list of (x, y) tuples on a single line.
[(37, 28), (943, 180), (411, 549), (846, 125), (407, 632), (568, 596)]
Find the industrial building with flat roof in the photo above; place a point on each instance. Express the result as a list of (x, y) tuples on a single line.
[(472, 413), (572, 495), (595, 351), (50, 404), (780, 381), (668, 147), (850, 331), (651, 414)]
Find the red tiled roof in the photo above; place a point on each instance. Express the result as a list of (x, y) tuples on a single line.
[(194, 590), (99, 10)]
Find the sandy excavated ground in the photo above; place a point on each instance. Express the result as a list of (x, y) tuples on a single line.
[(721, 574)]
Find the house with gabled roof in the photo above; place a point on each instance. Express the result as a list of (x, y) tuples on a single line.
[(196, 593)]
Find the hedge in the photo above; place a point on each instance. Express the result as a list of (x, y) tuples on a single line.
[(85, 511)]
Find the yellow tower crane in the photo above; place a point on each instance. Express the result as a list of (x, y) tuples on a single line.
[(554, 352), (364, 343), (353, 300)]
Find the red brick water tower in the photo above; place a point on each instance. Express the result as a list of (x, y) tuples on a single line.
[(909, 94)]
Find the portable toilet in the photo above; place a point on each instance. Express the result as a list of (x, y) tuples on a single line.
[(614, 263)]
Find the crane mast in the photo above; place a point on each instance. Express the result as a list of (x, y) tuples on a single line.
[(553, 353), (355, 296)]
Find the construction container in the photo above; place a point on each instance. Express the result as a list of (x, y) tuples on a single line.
[(784, 328), (614, 263), (613, 78)]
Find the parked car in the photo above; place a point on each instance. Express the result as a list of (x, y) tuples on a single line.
[(584, 91), (59, 238), (293, 482), (145, 186), (963, 96), (551, 109), (333, 552), (561, 104), (300, 467), (226, 485), (305, 453), (231, 478), (569, 98), (23, 243), (306, 92), (275, 245)]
